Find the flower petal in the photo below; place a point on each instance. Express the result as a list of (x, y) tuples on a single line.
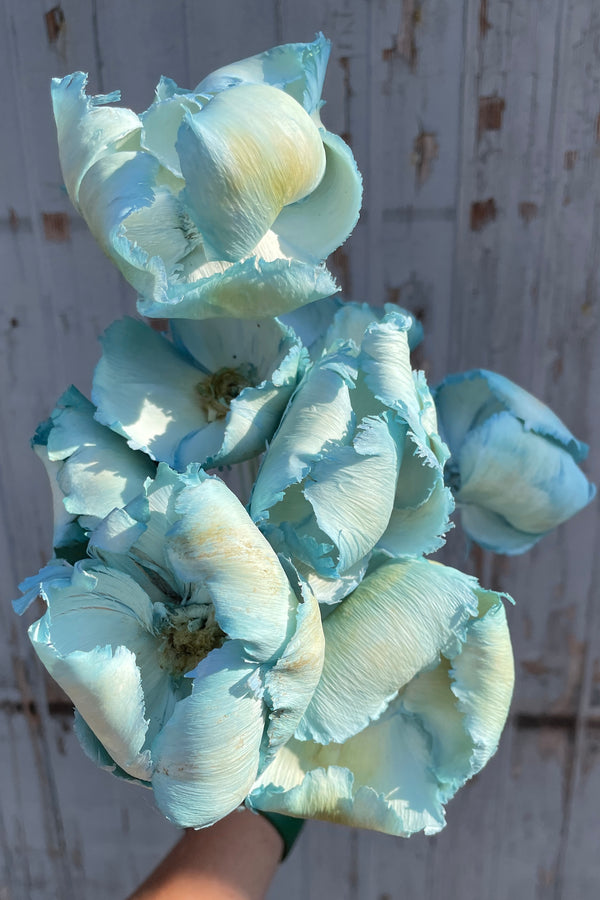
[(493, 532), (97, 470), (320, 413), (396, 775), (290, 683), (533, 483), (146, 390), (87, 128), (297, 69), (248, 289), (244, 156), (467, 399), (207, 755), (216, 544), (394, 625), (320, 222)]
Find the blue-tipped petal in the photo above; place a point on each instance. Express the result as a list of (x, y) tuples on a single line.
[(394, 625), (290, 683), (297, 69), (248, 289), (531, 482), (244, 156), (145, 390), (396, 775), (206, 757), (87, 128), (320, 222), (467, 399), (342, 486), (216, 544), (320, 413), (96, 471), (493, 532), (161, 123)]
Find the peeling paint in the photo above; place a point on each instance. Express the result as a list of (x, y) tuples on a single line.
[(55, 22), (406, 45), (425, 151), (491, 113), (56, 227), (482, 213), (528, 211)]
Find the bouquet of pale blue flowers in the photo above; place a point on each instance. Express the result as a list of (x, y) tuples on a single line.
[(300, 654)]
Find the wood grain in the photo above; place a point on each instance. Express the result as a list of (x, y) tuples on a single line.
[(477, 127)]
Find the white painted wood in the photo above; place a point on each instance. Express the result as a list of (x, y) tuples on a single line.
[(448, 106)]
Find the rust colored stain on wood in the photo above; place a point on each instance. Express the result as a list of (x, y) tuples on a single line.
[(528, 211), (482, 213), (56, 227), (425, 151), (406, 44), (13, 219), (484, 23), (491, 112), (570, 159), (55, 21)]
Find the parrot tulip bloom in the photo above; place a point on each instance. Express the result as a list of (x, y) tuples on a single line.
[(215, 396), (398, 723), (356, 464), (513, 467), (221, 201), (182, 645), (91, 470)]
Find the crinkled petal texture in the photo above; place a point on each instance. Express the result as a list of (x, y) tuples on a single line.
[(181, 583), (356, 464), (214, 397), (514, 464), (321, 324), (91, 470), (435, 676), (222, 201)]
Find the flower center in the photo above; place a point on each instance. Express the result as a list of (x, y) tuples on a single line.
[(218, 390), (188, 634)]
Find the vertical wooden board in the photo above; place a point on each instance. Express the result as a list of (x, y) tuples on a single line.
[(114, 835), (139, 42), (581, 870), (417, 274), (531, 815), (31, 64), (504, 156), (221, 33), (31, 828), (415, 95), (323, 864)]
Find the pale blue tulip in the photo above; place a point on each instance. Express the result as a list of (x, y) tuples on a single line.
[(215, 396), (356, 464), (415, 691), (514, 465), (91, 470), (221, 201), (182, 644)]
